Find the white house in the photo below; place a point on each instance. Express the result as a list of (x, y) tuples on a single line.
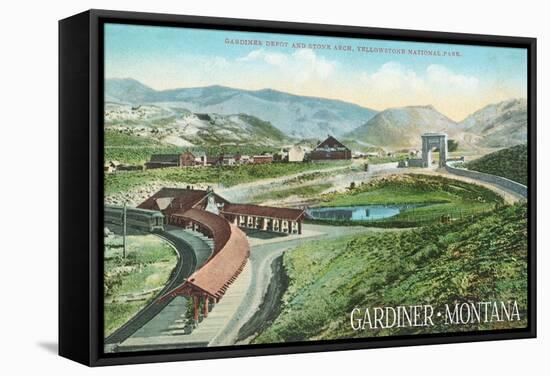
[(296, 154)]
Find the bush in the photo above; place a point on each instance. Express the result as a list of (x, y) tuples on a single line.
[(510, 163)]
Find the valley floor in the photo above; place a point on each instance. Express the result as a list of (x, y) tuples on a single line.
[(247, 319)]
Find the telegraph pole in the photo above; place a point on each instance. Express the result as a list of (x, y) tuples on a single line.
[(124, 231)]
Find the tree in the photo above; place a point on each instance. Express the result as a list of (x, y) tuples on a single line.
[(452, 145)]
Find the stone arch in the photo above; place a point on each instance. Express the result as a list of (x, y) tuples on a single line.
[(431, 141)]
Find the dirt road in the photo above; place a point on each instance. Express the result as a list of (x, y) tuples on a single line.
[(261, 299)]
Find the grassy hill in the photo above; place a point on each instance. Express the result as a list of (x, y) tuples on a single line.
[(131, 282), (480, 260), (435, 195), (225, 175), (402, 127), (510, 163), (132, 149)]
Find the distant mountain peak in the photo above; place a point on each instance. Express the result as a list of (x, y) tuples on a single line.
[(501, 124), (296, 115), (401, 127)]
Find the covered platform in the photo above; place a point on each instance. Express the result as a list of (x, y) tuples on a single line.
[(266, 218), (231, 251)]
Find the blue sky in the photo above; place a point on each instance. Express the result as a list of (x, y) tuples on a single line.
[(168, 57)]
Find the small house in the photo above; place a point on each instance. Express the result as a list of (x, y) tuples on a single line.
[(262, 159), (228, 160), (296, 154)]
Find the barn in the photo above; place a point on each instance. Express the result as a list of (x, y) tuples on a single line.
[(163, 160), (330, 149)]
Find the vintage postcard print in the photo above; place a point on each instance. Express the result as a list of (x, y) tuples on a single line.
[(265, 188)]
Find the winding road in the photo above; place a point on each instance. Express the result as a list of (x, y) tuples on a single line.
[(252, 312), (251, 316)]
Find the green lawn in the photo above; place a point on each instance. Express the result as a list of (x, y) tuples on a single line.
[(226, 175), (302, 191), (480, 259), (443, 197), (147, 267)]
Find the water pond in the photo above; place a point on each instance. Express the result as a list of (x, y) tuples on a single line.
[(359, 213)]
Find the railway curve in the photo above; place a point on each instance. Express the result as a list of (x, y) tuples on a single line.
[(186, 265)]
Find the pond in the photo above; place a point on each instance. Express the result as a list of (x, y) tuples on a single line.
[(359, 213)]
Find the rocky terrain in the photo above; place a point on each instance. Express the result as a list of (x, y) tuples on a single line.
[(499, 125), (215, 115), (180, 127), (495, 126), (296, 116)]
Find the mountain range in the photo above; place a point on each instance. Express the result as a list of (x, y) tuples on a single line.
[(213, 114), (497, 125), (296, 116)]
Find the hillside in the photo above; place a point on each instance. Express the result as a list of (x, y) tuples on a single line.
[(499, 125), (180, 127), (127, 91), (480, 260), (294, 115), (510, 163), (401, 127)]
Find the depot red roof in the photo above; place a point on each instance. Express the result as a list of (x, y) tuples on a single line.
[(231, 251), (263, 211)]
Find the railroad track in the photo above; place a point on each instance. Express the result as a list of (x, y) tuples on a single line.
[(186, 265)]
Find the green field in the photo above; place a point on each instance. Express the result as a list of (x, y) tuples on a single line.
[(136, 150), (441, 196), (225, 175), (480, 260), (307, 191), (510, 163), (146, 268), (132, 149)]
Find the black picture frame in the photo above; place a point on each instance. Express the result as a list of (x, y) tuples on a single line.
[(81, 180)]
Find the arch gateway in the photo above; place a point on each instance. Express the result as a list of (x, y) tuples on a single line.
[(431, 141)]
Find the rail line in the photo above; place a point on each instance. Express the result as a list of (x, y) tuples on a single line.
[(186, 265)]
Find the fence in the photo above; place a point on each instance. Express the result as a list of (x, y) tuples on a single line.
[(488, 178)]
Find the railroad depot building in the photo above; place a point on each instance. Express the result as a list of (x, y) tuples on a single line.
[(215, 217), (330, 149), (171, 201), (264, 218)]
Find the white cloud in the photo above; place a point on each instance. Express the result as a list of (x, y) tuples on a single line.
[(440, 76), (301, 65), (272, 58), (436, 79), (394, 84), (394, 78)]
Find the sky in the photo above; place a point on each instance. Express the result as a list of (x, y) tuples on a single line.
[(456, 79)]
